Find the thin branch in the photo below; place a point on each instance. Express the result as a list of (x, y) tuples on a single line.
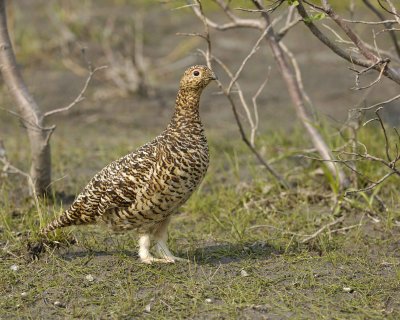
[(388, 72), (183, 7), (251, 53), (191, 34), (80, 96), (370, 22), (206, 35), (379, 103), (387, 145), (236, 23), (349, 164), (299, 77), (345, 228), (9, 168), (336, 34), (297, 98), (312, 5), (392, 10), (33, 126), (286, 28), (358, 73), (349, 32), (319, 231), (372, 48), (255, 107), (371, 186), (209, 57), (275, 6), (388, 25), (280, 179)]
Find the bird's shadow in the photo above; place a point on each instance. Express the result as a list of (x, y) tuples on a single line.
[(88, 253), (220, 253), (225, 253)]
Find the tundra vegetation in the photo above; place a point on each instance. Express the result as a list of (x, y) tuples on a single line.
[(298, 216)]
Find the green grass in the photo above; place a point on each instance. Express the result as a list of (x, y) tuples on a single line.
[(241, 232)]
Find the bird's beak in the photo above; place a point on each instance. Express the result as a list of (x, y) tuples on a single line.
[(213, 76)]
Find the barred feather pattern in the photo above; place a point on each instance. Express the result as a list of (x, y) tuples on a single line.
[(143, 188)]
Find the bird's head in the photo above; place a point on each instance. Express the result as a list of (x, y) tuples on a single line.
[(197, 78)]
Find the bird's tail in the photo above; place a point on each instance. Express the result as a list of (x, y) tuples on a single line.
[(36, 247), (62, 221)]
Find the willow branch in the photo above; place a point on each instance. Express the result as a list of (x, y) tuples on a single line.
[(371, 58), (80, 96)]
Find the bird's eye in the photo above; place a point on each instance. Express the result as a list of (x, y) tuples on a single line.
[(196, 73)]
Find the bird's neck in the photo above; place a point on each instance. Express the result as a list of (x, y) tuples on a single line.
[(187, 108)]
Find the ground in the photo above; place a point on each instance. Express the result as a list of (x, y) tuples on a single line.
[(245, 237)]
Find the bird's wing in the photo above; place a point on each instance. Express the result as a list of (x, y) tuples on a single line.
[(119, 183), (127, 178)]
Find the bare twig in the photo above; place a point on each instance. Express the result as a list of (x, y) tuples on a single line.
[(266, 26), (255, 108), (236, 22), (299, 77), (374, 49), (227, 92), (370, 22), (388, 25), (297, 98), (274, 6), (392, 10), (371, 186), (206, 35), (370, 57), (127, 70), (242, 132), (80, 96), (320, 230), (9, 168), (379, 103), (387, 145), (251, 53), (27, 123), (358, 73)]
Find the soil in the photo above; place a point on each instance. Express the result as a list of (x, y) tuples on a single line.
[(286, 279)]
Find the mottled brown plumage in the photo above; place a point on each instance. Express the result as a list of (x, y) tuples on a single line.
[(144, 188)]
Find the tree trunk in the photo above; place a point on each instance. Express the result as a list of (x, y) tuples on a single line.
[(28, 110)]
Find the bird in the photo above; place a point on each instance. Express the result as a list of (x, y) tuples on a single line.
[(142, 190)]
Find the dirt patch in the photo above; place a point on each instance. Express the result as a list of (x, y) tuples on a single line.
[(241, 233)]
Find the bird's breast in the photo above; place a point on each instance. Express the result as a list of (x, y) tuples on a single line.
[(182, 166)]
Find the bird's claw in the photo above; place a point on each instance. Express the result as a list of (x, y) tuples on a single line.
[(150, 260)]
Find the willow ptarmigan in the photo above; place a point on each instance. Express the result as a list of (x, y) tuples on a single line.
[(144, 188)]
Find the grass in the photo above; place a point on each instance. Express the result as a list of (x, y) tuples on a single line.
[(241, 232)]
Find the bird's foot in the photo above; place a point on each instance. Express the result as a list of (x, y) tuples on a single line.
[(178, 259), (151, 259), (173, 259), (163, 252), (164, 259)]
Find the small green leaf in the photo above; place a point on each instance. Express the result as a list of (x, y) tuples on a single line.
[(319, 16), (293, 2), (315, 17)]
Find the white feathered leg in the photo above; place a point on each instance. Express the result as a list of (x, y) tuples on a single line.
[(161, 236), (144, 251)]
